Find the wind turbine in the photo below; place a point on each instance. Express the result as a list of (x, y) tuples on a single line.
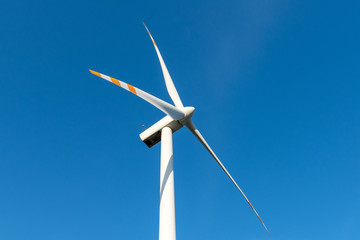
[(176, 117)]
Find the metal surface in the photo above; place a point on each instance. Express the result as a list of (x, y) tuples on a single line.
[(167, 230), (152, 135)]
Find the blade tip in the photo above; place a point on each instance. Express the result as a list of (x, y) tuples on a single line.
[(95, 73), (146, 27), (149, 34), (266, 229)]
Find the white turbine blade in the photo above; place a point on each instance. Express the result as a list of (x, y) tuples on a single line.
[(167, 108), (190, 125), (168, 81)]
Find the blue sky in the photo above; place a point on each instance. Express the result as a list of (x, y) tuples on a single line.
[(276, 89)]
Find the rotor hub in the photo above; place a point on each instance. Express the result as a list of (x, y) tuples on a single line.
[(189, 112)]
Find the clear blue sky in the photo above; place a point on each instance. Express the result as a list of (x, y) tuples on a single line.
[(276, 89)]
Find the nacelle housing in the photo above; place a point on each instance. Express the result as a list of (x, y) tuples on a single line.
[(152, 135)]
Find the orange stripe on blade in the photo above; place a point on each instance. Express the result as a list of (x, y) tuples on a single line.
[(115, 81), (95, 73), (132, 89)]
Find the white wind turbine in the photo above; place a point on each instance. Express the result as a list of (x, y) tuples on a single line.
[(176, 117)]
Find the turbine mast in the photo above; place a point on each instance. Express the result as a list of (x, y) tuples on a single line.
[(167, 229)]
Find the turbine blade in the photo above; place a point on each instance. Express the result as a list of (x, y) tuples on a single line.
[(168, 81), (167, 108), (190, 125)]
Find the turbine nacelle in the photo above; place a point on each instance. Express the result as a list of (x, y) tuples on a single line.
[(152, 135)]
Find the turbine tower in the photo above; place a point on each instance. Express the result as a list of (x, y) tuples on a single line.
[(176, 117)]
